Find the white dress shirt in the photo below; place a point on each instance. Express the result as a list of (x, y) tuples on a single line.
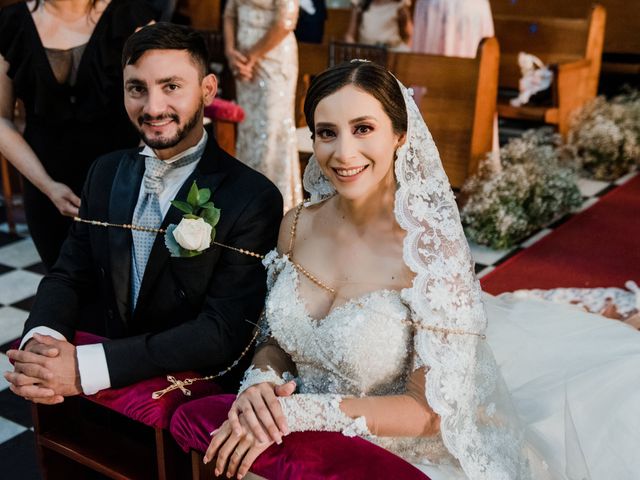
[(92, 361)]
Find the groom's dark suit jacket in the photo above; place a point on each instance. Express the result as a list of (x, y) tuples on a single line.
[(192, 313)]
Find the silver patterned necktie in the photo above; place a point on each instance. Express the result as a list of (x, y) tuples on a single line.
[(149, 214)]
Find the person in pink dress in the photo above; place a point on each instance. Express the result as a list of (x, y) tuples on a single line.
[(451, 27)]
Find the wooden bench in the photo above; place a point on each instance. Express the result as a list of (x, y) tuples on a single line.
[(201, 14), (459, 104), (622, 26), (336, 24), (573, 48), (312, 59), (78, 438), (621, 52)]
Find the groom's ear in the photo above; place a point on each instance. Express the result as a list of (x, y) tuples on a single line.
[(209, 87)]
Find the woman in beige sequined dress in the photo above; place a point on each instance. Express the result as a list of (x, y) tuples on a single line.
[(263, 55)]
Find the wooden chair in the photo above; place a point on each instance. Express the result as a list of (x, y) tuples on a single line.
[(459, 104), (573, 48)]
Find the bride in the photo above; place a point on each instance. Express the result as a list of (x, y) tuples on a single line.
[(376, 326)]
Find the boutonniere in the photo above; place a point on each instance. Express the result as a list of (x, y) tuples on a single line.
[(196, 230)]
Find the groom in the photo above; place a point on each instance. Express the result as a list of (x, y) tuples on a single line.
[(160, 313)]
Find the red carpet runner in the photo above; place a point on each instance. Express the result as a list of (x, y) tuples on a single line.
[(599, 247)]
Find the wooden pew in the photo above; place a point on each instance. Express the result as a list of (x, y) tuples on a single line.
[(623, 18), (201, 14), (336, 24), (77, 439), (572, 46), (313, 58), (340, 52), (459, 105)]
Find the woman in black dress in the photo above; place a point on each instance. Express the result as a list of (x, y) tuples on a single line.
[(62, 59)]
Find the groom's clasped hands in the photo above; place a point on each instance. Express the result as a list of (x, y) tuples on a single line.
[(255, 422), (46, 370)]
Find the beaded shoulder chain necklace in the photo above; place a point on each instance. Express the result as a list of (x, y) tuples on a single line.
[(324, 286)]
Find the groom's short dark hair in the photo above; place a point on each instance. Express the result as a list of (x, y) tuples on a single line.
[(166, 36)]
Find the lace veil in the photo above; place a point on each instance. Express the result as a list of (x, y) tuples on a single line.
[(463, 384)]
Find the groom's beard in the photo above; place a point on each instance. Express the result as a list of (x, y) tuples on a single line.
[(160, 143)]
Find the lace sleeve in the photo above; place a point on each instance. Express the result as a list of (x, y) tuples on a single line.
[(403, 415), (270, 364), (287, 13), (321, 413)]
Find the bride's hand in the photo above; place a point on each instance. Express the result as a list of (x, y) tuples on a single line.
[(240, 451), (261, 410)]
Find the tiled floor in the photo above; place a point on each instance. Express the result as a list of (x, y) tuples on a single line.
[(20, 272)]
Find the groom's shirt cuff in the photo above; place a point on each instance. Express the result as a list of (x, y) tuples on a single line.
[(42, 330), (92, 361), (92, 365)]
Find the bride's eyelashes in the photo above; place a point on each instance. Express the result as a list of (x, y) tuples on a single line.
[(362, 129), (359, 130), (325, 133)]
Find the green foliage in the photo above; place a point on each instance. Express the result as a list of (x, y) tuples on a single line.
[(535, 186), (605, 136), (198, 205)]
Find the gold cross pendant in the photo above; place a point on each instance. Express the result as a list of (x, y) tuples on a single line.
[(175, 385)]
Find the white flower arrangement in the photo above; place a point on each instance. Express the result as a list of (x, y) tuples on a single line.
[(195, 232), (605, 136), (535, 186)]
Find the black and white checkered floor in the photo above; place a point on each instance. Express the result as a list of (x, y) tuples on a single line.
[(20, 273)]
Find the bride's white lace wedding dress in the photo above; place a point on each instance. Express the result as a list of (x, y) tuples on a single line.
[(524, 389), (574, 376)]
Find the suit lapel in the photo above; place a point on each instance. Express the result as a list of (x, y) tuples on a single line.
[(206, 175), (124, 196)]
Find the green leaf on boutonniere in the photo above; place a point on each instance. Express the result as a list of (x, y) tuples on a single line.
[(192, 198), (182, 206), (208, 205), (171, 243), (191, 216), (213, 234), (211, 215), (204, 194)]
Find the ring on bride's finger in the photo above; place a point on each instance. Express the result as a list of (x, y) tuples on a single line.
[(236, 453)]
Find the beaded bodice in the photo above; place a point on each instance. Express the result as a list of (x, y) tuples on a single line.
[(362, 347)]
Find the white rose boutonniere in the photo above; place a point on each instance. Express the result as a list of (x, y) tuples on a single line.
[(196, 230), (193, 234)]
